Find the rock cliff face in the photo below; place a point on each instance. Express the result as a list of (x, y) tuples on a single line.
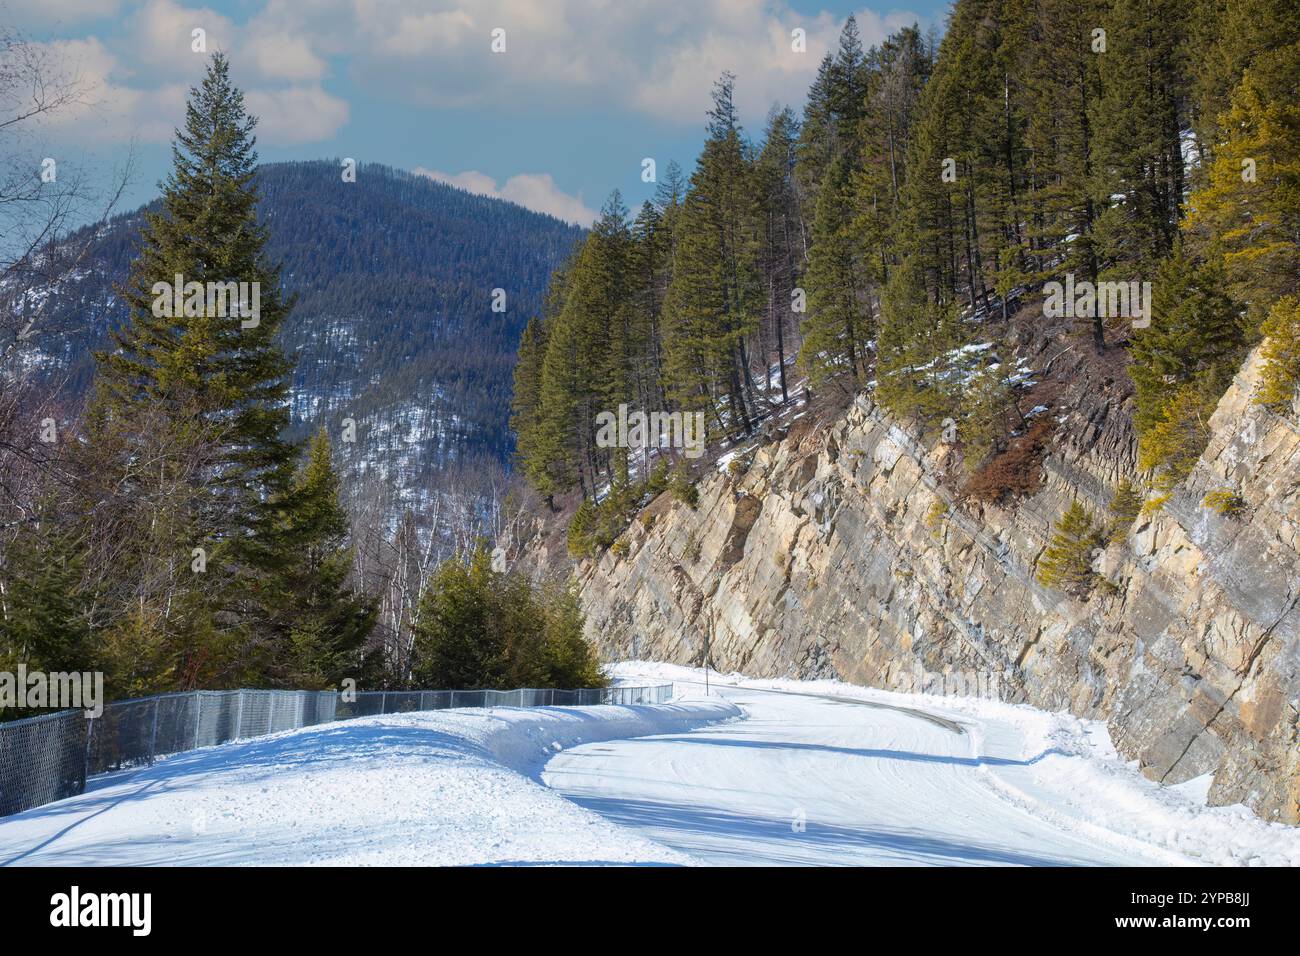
[(842, 551)]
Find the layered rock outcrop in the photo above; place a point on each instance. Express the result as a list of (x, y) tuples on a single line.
[(843, 551)]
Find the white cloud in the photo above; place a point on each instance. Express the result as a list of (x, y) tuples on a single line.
[(65, 12), (284, 56), (645, 56), (535, 191), (426, 33), (161, 34), (297, 114), (136, 89)]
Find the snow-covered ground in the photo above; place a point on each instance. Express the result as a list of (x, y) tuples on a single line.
[(445, 787), (880, 783), (760, 772)]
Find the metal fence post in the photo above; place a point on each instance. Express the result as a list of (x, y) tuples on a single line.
[(198, 716), (239, 714), (153, 733), (85, 769)]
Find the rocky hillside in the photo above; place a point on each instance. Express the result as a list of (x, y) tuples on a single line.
[(842, 550)]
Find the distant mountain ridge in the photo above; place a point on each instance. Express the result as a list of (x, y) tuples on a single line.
[(393, 327)]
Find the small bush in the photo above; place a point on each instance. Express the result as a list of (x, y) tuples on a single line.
[(934, 517), (595, 527), (1153, 505), (1017, 471), (582, 527), (692, 550), (1281, 374), (985, 402), (736, 468), (1224, 501), (1067, 561), (1124, 508), (657, 483), (620, 548), (682, 487), (1170, 444)]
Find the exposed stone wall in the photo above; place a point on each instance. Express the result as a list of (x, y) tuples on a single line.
[(841, 552)]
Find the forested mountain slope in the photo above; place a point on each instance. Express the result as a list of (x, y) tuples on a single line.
[(393, 324)]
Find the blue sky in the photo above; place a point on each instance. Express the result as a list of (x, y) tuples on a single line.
[(583, 91)]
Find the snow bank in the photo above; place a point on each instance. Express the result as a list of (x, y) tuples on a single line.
[(524, 744), (1063, 769), (436, 788)]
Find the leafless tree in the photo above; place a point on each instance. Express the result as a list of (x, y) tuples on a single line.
[(42, 199)]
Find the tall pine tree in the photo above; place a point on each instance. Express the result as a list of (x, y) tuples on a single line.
[(186, 426)]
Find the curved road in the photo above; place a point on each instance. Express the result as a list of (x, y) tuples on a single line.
[(809, 779)]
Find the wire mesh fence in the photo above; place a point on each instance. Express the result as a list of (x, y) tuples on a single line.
[(50, 757)]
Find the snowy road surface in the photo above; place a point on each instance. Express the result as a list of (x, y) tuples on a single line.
[(812, 780), (451, 787), (828, 772), (747, 776)]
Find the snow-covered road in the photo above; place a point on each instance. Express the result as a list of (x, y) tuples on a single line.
[(450, 787), (827, 772), (818, 780), (761, 772)]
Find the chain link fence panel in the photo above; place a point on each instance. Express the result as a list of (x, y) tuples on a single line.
[(47, 758)]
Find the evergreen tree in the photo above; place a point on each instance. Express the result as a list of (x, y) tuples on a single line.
[(916, 337), (482, 628), (783, 239), (899, 70), (455, 643), (1247, 211), (838, 330), (1182, 363), (1222, 41), (649, 263), (816, 148), (984, 405), (1124, 508), (671, 188), (320, 623), (186, 426), (848, 90), (1281, 353), (715, 299), (44, 622), (570, 658), (526, 408), (1062, 83), (1137, 122), (588, 365), (1067, 561)]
